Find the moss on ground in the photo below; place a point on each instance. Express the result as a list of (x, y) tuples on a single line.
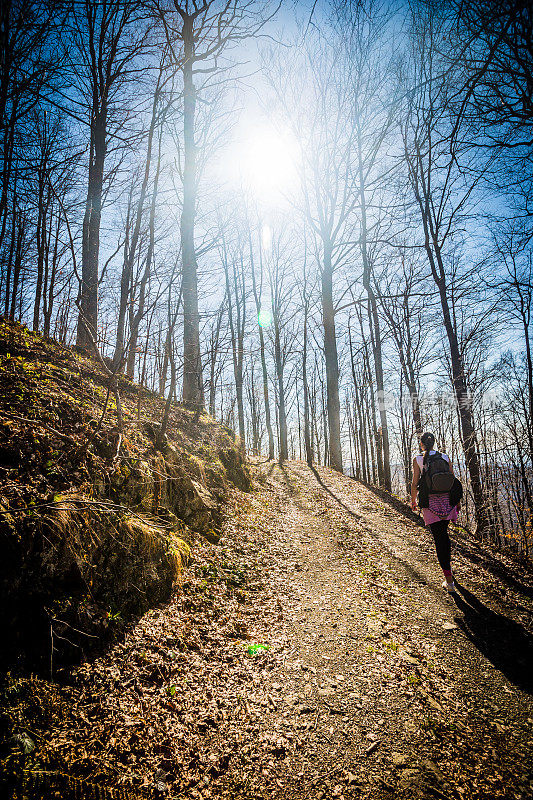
[(94, 521)]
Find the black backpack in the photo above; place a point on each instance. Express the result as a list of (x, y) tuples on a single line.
[(437, 475)]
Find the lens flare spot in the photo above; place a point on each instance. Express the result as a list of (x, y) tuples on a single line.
[(264, 318)]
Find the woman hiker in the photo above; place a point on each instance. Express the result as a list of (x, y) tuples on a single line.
[(439, 510)]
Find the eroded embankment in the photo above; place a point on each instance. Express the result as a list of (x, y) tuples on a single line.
[(95, 522)]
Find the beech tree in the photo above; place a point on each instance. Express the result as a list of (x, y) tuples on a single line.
[(257, 286), (104, 41), (236, 302), (27, 67), (321, 121), (206, 31), (437, 159)]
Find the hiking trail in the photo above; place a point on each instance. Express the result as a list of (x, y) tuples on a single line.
[(375, 684)]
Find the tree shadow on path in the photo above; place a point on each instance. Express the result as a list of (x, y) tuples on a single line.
[(333, 495), (291, 488), (504, 642)]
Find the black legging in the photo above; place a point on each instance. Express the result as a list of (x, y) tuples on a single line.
[(442, 542)]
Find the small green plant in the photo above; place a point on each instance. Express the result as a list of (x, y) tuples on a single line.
[(171, 690), (255, 649), (392, 646)]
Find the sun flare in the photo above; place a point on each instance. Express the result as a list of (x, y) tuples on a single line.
[(269, 164)]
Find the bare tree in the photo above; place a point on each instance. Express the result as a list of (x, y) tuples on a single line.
[(515, 297), (282, 331), (105, 39), (405, 315), (321, 118), (437, 165), (236, 293), (27, 65), (492, 40), (206, 31), (257, 286)]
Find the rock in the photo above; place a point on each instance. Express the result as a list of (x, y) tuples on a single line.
[(431, 767), (449, 626), (196, 506), (25, 742), (409, 778), (399, 760), (236, 469)]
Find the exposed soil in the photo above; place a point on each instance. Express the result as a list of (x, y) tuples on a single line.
[(94, 518), (375, 684)]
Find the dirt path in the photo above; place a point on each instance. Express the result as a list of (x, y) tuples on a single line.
[(375, 684)]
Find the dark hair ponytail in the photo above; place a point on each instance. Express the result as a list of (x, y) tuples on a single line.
[(428, 440)]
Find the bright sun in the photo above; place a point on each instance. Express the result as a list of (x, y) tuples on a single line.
[(268, 164)]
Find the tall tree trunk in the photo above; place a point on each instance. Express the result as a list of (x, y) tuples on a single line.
[(136, 318), (327, 461), (130, 246), (373, 319), (12, 245), (282, 413), (307, 429), (404, 438), (166, 413), (41, 246), (87, 330), (49, 297), (466, 416), (257, 298), (332, 363), (375, 332), (529, 365), (462, 395), (214, 352), (193, 392), (8, 142), (172, 317), (237, 344), (363, 439), (376, 450), (126, 288), (254, 413), (358, 391), (21, 227), (410, 382)]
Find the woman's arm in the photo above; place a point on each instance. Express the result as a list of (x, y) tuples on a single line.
[(414, 484)]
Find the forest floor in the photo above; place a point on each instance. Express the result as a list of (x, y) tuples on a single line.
[(375, 684)]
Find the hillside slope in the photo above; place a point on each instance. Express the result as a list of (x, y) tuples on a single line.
[(312, 653), (95, 522)]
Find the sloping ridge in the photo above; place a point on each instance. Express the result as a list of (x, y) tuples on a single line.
[(95, 522)]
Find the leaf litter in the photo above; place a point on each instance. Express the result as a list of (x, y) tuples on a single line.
[(313, 681)]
